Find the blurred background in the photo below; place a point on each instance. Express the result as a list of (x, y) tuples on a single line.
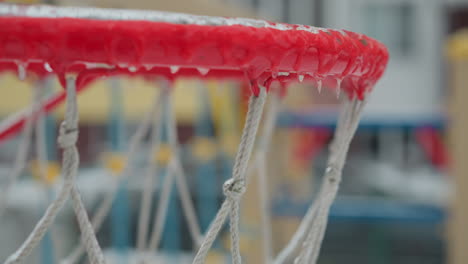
[(404, 195)]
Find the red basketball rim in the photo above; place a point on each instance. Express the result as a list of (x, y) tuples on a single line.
[(95, 42)]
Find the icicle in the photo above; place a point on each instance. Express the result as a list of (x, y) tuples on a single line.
[(319, 86), (203, 71), (283, 73), (47, 67), (338, 87), (90, 66), (300, 77), (22, 71), (132, 69), (148, 67), (174, 69)]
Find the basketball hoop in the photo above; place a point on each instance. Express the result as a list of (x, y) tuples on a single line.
[(80, 45)]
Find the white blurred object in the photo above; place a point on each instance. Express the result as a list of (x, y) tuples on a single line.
[(26, 203), (412, 30), (418, 185)]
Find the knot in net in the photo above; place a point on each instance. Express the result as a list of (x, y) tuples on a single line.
[(67, 138), (234, 188)]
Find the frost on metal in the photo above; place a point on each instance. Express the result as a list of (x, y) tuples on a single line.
[(138, 15)]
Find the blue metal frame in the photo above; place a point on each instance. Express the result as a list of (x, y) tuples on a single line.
[(369, 210), (205, 172), (120, 212), (47, 245), (327, 119)]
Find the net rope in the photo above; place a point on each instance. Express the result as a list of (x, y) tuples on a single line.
[(175, 172), (260, 164), (307, 239), (235, 187), (149, 182), (181, 183), (309, 236), (68, 135), (42, 155), (22, 152), (339, 149), (105, 206), (41, 151)]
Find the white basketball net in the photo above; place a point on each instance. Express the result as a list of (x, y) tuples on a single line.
[(304, 246)]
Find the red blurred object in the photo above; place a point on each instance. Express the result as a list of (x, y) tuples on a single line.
[(434, 146), (309, 142)]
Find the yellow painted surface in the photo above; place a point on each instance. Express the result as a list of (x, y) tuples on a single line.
[(284, 228), (458, 131), (457, 237), (225, 113), (15, 96), (457, 45), (94, 102), (115, 162), (215, 258), (163, 155), (251, 239), (186, 100), (204, 149), (47, 173)]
